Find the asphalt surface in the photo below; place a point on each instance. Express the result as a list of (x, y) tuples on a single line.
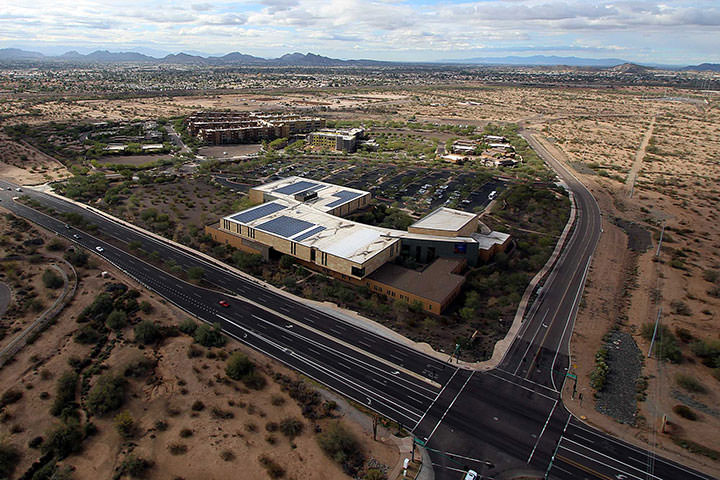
[(4, 297), (507, 420)]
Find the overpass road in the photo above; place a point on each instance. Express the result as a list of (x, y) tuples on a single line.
[(509, 419)]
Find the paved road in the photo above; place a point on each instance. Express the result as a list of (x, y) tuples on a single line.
[(508, 419)]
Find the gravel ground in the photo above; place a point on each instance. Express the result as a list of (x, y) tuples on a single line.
[(690, 402), (618, 400), (639, 239)]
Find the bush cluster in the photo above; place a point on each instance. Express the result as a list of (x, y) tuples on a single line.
[(340, 444)]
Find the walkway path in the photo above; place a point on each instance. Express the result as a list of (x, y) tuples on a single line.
[(639, 156)]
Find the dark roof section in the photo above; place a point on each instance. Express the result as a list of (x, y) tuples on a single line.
[(258, 212), (296, 187), (437, 282), (344, 196), (308, 234), (285, 226)]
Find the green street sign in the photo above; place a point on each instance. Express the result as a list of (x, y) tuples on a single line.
[(419, 442), (573, 376)]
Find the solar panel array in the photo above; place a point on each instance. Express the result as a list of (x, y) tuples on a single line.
[(343, 197), (285, 226), (296, 187), (258, 212), (308, 234)]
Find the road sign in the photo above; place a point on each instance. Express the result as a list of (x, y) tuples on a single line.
[(419, 442), (572, 375)]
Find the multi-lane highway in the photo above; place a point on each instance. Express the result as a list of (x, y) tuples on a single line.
[(510, 419)]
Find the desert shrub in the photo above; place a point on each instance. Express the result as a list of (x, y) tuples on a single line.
[(195, 273), (708, 351), (208, 336), (146, 307), (146, 332), (186, 432), (219, 413), (375, 474), (684, 334), (272, 427), (690, 383), (98, 310), (198, 406), (56, 245), (125, 424), (188, 326), (88, 335), (9, 458), (139, 367), (63, 440), (116, 320), (161, 425), (277, 400), (10, 396), (134, 466), (64, 401), (106, 395), (77, 258), (291, 427), (177, 448), (666, 345), (685, 412), (340, 445), (274, 470), (227, 455), (251, 427), (712, 276), (35, 442), (52, 280), (238, 365), (680, 307), (598, 376), (194, 351), (254, 380)]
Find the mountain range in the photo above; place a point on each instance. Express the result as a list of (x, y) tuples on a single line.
[(234, 58), (16, 55)]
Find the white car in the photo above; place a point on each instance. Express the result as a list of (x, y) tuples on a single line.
[(18, 189), (99, 248), (471, 475)]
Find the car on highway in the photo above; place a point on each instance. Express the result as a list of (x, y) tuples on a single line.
[(76, 236), (18, 189), (471, 475), (99, 248), (67, 225), (223, 303)]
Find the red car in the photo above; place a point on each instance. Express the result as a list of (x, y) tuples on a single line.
[(223, 303)]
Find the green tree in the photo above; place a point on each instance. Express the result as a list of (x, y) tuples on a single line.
[(63, 440), (146, 332), (238, 365), (106, 395), (208, 336), (116, 320), (195, 273)]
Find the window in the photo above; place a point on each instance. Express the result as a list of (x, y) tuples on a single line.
[(293, 248), (358, 272)]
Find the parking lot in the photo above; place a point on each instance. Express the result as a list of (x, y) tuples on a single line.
[(418, 189)]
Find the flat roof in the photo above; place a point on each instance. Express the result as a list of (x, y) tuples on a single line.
[(308, 226), (445, 219), (437, 282), (329, 196)]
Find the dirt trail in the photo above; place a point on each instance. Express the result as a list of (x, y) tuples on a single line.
[(639, 156)]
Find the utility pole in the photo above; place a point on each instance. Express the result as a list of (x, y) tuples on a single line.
[(375, 425), (657, 321)]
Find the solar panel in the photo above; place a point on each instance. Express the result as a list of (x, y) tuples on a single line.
[(309, 233), (343, 197), (295, 187), (285, 226), (258, 212)]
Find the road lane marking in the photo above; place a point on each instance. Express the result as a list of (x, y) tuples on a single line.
[(449, 407), (643, 472), (435, 400), (530, 344), (542, 431)]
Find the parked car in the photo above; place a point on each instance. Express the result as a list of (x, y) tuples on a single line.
[(471, 475)]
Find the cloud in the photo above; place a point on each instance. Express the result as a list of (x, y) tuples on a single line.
[(677, 29)]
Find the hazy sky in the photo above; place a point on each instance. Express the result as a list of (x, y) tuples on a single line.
[(673, 32)]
